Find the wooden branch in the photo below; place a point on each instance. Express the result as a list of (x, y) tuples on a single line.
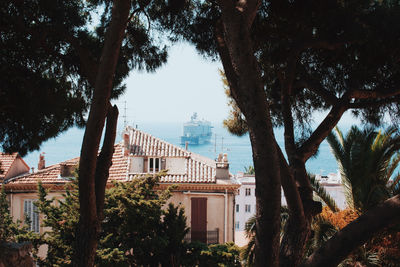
[(290, 145), (376, 103), (89, 222), (309, 147), (289, 186), (374, 94), (88, 65), (104, 160), (356, 234), (318, 89)]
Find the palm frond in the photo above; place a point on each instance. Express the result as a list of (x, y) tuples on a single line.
[(322, 194)]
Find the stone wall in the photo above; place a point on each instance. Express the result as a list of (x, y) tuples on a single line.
[(16, 254)]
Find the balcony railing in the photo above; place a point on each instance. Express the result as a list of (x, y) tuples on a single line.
[(208, 237)]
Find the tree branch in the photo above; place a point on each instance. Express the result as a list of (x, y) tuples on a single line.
[(309, 147), (89, 66), (104, 160), (356, 233), (318, 89), (374, 94), (377, 103)]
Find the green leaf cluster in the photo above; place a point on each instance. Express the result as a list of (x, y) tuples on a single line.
[(49, 57), (367, 162), (136, 229), (199, 254)]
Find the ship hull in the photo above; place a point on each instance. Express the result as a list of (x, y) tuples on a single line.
[(195, 140)]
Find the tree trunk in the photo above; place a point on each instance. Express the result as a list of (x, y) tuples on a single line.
[(89, 221), (244, 77), (356, 234)]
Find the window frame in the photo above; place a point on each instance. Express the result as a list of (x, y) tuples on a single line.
[(31, 212), (153, 164), (247, 208), (248, 192)]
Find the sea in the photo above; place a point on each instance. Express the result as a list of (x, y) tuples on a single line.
[(68, 144)]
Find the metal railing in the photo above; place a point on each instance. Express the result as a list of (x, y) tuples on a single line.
[(207, 237)]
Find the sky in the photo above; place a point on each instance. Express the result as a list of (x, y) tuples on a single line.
[(188, 83)]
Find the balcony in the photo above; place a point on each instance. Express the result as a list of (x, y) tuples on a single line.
[(207, 237)]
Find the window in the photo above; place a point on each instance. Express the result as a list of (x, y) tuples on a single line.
[(31, 213), (237, 207), (248, 192), (154, 165), (237, 225), (247, 208)]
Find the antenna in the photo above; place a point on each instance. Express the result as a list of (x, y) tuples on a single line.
[(125, 123)]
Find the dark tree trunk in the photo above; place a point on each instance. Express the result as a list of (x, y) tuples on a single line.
[(356, 234), (89, 218), (243, 74)]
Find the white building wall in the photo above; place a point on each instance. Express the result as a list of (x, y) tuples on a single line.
[(334, 188)]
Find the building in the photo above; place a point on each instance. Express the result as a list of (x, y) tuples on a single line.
[(245, 206), (11, 165), (204, 187)]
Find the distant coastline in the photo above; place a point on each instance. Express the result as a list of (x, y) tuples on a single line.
[(68, 144)]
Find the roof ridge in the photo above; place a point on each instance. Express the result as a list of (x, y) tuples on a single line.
[(161, 141)]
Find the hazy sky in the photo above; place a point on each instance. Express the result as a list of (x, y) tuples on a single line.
[(187, 83)]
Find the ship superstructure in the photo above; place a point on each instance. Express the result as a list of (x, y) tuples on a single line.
[(196, 132)]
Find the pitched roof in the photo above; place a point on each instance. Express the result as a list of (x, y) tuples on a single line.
[(198, 169), (51, 174), (144, 144), (6, 160)]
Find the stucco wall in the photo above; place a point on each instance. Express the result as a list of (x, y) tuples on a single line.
[(176, 165), (215, 211), (18, 167)]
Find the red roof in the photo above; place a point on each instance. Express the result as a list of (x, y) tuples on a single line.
[(6, 160), (198, 169)]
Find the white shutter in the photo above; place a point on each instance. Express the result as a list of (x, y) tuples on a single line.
[(31, 212)]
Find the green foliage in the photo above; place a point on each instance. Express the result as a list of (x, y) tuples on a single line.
[(136, 229), (249, 170), (11, 231), (322, 194), (62, 218), (8, 229), (49, 56), (199, 254), (367, 160)]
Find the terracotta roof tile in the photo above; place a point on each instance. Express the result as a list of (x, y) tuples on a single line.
[(198, 169), (6, 160)]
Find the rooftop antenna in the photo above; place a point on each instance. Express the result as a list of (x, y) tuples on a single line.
[(125, 123)]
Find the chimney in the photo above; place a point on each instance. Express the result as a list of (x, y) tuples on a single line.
[(126, 136), (222, 167), (42, 162)]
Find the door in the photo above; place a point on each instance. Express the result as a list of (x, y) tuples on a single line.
[(199, 219)]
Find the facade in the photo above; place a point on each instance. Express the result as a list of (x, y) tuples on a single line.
[(11, 165), (245, 206), (204, 187)]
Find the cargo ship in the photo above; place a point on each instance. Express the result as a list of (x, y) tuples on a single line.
[(196, 132)]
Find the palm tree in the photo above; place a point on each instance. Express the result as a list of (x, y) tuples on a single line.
[(367, 161)]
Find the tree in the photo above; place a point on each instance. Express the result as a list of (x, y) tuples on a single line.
[(367, 160), (8, 229), (56, 56), (136, 229), (283, 61)]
